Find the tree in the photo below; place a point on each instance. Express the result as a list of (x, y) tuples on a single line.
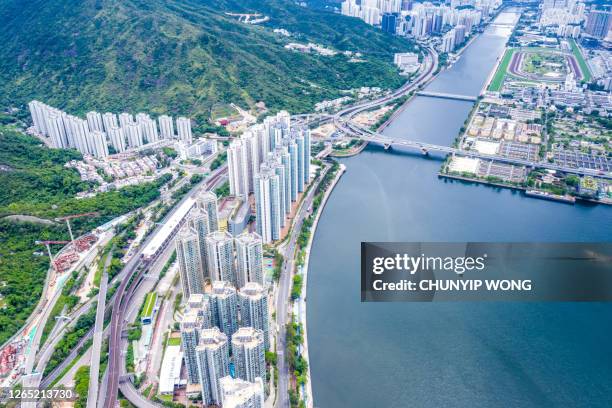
[(572, 180)]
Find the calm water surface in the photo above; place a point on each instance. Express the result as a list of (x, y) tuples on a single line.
[(451, 354)]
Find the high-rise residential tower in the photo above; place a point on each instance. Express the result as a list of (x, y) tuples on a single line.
[(94, 121), (237, 393), (197, 316), (253, 302), (249, 259), (98, 144), (183, 127), (134, 134), (268, 204), (213, 364), (224, 306), (110, 121), (117, 138), (220, 257), (166, 127), (38, 111), (251, 145), (148, 127), (599, 23), (275, 162), (207, 200), (190, 267), (238, 168), (249, 354), (199, 223), (125, 119)]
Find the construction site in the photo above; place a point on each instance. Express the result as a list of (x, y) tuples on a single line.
[(17, 354)]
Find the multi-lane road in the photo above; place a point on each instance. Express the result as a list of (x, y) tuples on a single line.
[(94, 370), (284, 287), (427, 72)]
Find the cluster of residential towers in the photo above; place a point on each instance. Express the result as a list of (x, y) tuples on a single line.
[(94, 134), (220, 324), (272, 161)]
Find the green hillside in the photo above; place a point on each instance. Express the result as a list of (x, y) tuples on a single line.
[(35, 182), (182, 56)]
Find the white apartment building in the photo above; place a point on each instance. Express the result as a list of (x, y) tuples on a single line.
[(134, 134), (190, 266), (237, 393), (224, 307), (238, 168), (117, 138), (249, 353), (267, 203), (183, 126), (198, 222), (166, 126), (197, 316), (94, 121), (207, 201), (213, 363), (249, 259), (220, 257), (253, 301)]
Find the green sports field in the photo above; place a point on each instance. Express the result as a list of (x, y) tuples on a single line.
[(498, 78), (583, 65)]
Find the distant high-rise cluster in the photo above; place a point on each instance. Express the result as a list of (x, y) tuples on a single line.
[(566, 15), (427, 19), (271, 160), (370, 11), (94, 134), (420, 20)]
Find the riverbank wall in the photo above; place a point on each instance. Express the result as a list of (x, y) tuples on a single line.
[(300, 305), (514, 187)]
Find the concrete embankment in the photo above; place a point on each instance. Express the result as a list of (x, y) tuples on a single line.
[(515, 187), (301, 303)]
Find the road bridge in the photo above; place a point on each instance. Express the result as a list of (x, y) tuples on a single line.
[(444, 95), (425, 148)]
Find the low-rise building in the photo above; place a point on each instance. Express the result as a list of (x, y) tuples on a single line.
[(170, 374)]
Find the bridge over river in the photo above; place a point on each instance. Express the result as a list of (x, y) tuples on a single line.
[(426, 148), (444, 95)]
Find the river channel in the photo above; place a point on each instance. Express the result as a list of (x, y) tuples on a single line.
[(448, 354)]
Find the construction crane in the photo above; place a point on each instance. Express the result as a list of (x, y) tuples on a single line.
[(67, 218), (48, 244)]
